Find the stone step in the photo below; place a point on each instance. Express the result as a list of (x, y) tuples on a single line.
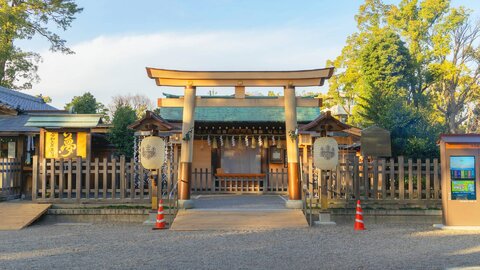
[(238, 219)]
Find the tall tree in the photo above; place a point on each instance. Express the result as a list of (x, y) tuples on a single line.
[(385, 66), (139, 103), (22, 20), (87, 104), (119, 135), (458, 71)]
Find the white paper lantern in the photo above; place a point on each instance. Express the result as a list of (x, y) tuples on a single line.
[(152, 153), (325, 153)]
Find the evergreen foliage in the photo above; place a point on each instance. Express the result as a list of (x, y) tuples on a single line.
[(120, 135)]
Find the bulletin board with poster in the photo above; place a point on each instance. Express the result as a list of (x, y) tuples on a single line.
[(65, 144), (462, 174)]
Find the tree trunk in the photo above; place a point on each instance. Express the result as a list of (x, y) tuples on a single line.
[(3, 64)]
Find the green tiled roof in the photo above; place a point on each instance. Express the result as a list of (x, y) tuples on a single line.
[(240, 114), (64, 120)]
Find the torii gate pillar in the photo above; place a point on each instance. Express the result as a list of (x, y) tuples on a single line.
[(294, 189)]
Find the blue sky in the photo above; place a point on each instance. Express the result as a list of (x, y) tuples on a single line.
[(115, 40)]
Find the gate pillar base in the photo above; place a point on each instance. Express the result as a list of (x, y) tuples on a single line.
[(294, 204), (185, 204)]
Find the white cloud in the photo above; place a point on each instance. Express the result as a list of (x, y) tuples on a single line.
[(112, 65)]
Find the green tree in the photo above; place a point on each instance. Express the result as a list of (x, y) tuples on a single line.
[(385, 66), (457, 86), (22, 20), (120, 135), (87, 104)]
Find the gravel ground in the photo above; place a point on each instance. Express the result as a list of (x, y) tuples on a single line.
[(128, 246)]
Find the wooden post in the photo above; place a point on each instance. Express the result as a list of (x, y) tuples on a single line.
[(87, 178), (392, 178), (410, 179), (383, 163), (436, 182), (61, 179), (356, 178), (34, 177), (375, 178), (427, 179), (122, 177), (401, 177), (43, 173), (79, 179), (186, 154), (419, 179), (294, 189)]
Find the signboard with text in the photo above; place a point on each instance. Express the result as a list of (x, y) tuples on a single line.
[(65, 144)]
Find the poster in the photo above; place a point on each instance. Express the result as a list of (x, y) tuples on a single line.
[(65, 144), (462, 175)]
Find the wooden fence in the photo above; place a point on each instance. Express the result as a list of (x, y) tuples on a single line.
[(379, 181), (77, 180), (10, 178), (204, 181)]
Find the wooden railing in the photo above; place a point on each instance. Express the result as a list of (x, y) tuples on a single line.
[(10, 178), (379, 181), (77, 180), (204, 181)]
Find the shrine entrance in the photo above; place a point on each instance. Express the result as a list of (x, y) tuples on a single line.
[(238, 143)]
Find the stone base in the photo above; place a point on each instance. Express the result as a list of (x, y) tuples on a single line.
[(459, 228), (185, 204), (294, 204), (324, 218)]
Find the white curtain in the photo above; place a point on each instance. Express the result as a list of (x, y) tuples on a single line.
[(245, 160)]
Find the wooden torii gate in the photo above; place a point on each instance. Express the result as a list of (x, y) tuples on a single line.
[(241, 79)]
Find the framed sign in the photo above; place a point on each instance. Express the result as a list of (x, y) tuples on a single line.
[(276, 154), (462, 174), (65, 144)]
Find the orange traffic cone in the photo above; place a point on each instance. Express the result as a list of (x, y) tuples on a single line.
[(160, 223), (359, 225)]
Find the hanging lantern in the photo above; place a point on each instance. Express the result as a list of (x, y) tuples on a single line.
[(260, 142), (254, 142), (325, 153), (246, 141), (273, 140), (152, 152), (233, 141), (209, 142), (214, 143), (202, 143), (221, 141)]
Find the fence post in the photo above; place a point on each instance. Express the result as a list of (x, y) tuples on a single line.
[(43, 172), (366, 178), (34, 178), (427, 179), (69, 179), (356, 178), (436, 182), (401, 177), (384, 178), (61, 179), (114, 178), (87, 178), (419, 179), (375, 178), (79, 179), (122, 177), (410, 179)]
